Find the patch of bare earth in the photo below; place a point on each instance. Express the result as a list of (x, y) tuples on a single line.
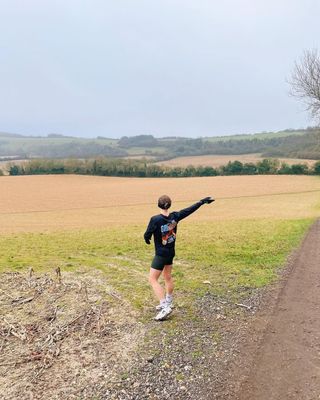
[(219, 160), (192, 359), (63, 340)]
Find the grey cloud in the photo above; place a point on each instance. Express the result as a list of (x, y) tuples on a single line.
[(175, 67)]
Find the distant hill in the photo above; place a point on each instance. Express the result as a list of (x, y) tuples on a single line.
[(291, 144), (9, 135), (288, 143), (261, 135)]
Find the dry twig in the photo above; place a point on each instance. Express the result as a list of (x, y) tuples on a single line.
[(58, 272), (243, 306), (114, 295), (21, 300)]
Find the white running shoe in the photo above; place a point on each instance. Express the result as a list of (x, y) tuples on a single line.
[(163, 314), (160, 306)]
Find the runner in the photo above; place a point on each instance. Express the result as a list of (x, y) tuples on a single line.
[(163, 227)]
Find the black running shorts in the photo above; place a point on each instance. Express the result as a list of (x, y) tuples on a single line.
[(159, 262)]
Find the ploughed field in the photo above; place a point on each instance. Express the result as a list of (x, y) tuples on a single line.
[(47, 203), (95, 324), (219, 160)]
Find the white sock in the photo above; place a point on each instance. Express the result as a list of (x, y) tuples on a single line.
[(169, 298), (163, 302)]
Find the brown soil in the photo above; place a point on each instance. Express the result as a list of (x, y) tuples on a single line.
[(75, 202), (35, 194), (219, 160), (285, 337)]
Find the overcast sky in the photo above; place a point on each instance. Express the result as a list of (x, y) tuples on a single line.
[(162, 67)]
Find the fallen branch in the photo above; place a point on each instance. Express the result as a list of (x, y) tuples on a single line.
[(21, 300), (244, 306), (58, 272), (74, 320), (86, 292), (12, 331)]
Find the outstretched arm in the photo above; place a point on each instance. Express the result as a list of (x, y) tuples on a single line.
[(148, 233), (189, 210)]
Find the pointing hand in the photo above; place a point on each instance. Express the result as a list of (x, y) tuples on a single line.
[(207, 200)]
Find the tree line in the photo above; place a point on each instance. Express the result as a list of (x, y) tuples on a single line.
[(294, 146), (142, 168), (306, 145)]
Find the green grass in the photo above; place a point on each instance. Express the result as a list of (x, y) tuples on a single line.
[(232, 255), (16, 145), (261, 136), (238, 254)]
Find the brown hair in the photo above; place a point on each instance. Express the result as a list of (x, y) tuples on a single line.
[(164, 202)]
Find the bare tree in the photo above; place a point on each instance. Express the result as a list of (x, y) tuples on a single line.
[(305, 82)]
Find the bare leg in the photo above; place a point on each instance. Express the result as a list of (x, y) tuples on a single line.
[(153, 280), (168, 279)]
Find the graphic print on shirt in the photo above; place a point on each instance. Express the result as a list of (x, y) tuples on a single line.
[(168, 233)]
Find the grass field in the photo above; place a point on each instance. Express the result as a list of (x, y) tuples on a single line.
[(219, 160), (86, 222), (261, 135)]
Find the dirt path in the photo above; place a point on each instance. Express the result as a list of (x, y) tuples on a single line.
[(287, 363)]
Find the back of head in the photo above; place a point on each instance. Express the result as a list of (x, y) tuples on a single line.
[(164, 202)]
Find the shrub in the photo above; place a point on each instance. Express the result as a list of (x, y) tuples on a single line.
[(316, 168)]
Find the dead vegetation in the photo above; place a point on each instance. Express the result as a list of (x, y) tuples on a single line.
[(69, 336)]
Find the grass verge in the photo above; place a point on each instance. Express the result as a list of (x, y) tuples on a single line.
[(228, 255)]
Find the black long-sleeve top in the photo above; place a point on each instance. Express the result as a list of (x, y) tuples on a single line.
[(164, 230)]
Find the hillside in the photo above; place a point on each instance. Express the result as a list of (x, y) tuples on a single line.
[(302, 144)]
